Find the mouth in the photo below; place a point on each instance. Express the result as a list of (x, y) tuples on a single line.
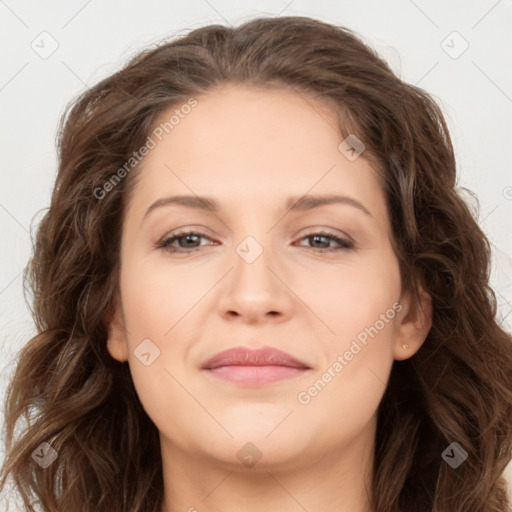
[(248, 367)]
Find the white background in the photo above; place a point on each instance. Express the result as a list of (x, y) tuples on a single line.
[(96, 38)]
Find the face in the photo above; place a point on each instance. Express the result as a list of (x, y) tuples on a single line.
[(318, 281)]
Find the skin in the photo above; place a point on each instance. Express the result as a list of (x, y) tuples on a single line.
[(249, 149)]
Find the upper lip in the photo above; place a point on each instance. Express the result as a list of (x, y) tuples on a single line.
[(242, 356)]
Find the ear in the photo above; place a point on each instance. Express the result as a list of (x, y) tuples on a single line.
[(117, 342), (414, 323)]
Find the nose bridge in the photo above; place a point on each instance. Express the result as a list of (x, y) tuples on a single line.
[(254, 290), (250, 249), (253, 257)]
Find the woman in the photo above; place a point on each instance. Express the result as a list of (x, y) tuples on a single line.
[(258, 288)]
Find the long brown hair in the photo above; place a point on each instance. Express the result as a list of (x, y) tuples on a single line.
[(79, 400)]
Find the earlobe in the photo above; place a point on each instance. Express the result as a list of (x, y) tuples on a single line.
[(414, 326), (117, 343)]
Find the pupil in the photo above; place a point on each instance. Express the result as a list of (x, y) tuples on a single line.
[(317, 237), (188, 238)]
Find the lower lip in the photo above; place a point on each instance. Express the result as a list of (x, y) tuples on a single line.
[(256, 375)]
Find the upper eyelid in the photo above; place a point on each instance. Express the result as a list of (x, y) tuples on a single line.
[(189, 231), (315, 231)]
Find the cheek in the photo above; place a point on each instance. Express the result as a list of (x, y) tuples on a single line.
[(350, 383), (361, 310), (155, 298), (151, 308), (353, 296)]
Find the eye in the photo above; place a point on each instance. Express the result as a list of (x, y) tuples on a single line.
[(326, 235), (187, 242), (189, 237)]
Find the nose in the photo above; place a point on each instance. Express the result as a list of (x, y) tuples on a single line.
[(256, 289)]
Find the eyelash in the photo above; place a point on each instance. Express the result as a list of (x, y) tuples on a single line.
[(165, 243)]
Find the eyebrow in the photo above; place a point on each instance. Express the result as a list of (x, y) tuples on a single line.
[(293, 203)]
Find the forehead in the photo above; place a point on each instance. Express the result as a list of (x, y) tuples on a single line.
[(241, 144)]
